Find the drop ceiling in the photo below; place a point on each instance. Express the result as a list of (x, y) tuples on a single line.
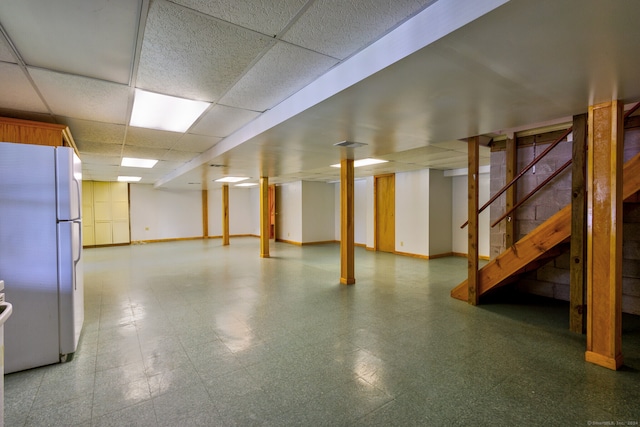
[(287, 79)]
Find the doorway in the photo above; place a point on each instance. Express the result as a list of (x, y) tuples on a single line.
[(385, 212)]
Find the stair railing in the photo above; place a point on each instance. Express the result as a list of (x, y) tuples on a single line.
[(529, 166)]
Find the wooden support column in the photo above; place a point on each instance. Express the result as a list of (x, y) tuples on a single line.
[(264, 217), (511, 193), (578, 285), (347, 230), (205, 213), (472, 257), (604, 235), (225, 214)]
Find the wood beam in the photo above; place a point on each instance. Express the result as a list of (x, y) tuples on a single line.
[(264, 217), (577, 288), (604, 235), (473, 296), (511, 193), (347, 230), (205, 213), (225, 214)]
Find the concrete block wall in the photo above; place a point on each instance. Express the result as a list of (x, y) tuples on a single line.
[(552, 279)]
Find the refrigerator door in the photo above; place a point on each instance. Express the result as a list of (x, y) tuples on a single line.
[(71, 292), (29, 255), (68, 184)]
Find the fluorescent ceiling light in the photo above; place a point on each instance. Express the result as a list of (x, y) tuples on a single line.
[(129, 178), (138, 163), (247, 184), (231, 179), (363, 162), (163, 112)]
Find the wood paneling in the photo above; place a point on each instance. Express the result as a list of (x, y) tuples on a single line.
[(264, 217), (385, 211), (347, 228), (225, 214), (473, 296), (604, 235), (577, 287), (37, 133), (205, 213)]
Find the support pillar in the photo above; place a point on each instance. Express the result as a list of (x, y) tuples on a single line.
[(205, 214), (472, 257), (347, 231), (264, 217), (225, 214), (604, 235), (577, 288)]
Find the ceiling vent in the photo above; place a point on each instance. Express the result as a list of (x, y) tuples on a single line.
[(349, 144)]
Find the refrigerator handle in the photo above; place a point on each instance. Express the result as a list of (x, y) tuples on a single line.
[(77, 260), (79, 191)]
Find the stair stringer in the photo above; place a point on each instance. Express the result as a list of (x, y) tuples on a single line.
[(502, 269)]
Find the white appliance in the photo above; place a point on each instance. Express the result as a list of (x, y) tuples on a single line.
[(41, 253)]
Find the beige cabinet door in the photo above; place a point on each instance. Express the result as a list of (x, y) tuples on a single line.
[(88, 218), (106, 213), (120, 212)]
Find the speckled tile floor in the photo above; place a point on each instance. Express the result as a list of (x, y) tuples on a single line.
[(194, 333)]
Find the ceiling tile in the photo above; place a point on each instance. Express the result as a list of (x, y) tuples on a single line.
[(92, 147), (145, 152), (5, 51), (180, 156), (339, 29), (92, 161), (86, 130), (281, 72), (196, 143), (268, 17), (99, 43), (82, 98), (142, 137), (222, 121), (191, 55), (17, 92)]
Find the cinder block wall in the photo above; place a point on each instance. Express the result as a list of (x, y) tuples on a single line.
[(552, 279)]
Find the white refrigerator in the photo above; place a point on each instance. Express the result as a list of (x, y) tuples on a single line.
[(41, 253)]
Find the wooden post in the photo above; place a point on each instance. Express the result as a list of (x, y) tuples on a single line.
[(347, 231), (604, 235), (225, 214), (577, 289), (205, 214), (511, 193), (472, 257), (264, 217)]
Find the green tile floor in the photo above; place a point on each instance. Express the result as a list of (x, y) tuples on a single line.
[(194, 333)]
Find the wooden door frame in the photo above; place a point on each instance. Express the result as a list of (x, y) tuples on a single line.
[(375, 207)]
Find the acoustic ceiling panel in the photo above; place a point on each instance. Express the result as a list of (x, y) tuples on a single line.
[(97, 148), (281, 72), (268, 17), (94, 38), (82, 98), (191, 55), (196, 143), (221, 121), (5, 51), (338, 28), (141, 137), (86, 130), (17, 92)]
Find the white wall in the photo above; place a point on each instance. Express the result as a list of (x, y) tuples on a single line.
[(318, 221), (440, 200), (360, 211), (412, 212), (164, 214), (459, 215), (244, 211), (289, 226)]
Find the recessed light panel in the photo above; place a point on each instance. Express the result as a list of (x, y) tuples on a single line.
[(163, 112), (129, 178), (231, 179), (363, 162), (247, 184), (138, 163)]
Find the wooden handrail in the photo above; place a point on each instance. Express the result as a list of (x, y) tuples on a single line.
[(522, 172), (524, 199)]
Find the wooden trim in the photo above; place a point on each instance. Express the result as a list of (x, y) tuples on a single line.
[(347, 231), (511, 193), (465, 255), (225, 214), (473, 294), (322, 242), (577, 287), (264, 217), (205, 213), (604, 235)]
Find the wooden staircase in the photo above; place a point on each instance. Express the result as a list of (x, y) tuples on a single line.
[(540, 245)]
